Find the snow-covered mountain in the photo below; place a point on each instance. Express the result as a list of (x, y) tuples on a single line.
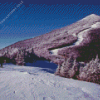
[(37, 83), (81, 40), (53, 45)]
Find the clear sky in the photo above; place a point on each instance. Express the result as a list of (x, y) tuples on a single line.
[(30, 18)]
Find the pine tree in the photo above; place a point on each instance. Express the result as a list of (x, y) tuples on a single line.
[(20, 58)]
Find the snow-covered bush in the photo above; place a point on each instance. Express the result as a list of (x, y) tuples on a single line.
[(69, 68), (91, 72), (20, 58)]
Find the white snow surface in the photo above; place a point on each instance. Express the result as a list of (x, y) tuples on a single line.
[(81, 36), (55, 51), (32, 83), (96, 25)]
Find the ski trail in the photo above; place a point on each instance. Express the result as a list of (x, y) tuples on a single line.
[(80, 36)]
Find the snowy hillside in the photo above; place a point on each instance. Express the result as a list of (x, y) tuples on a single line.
[(53, 45), (32, 83)]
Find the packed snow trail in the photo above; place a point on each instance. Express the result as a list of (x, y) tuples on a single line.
[(80, 37), (32, 83)]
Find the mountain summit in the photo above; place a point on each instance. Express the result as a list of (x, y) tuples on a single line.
[(92, 16)]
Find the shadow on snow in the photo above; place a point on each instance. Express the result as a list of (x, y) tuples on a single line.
[(45, 65)]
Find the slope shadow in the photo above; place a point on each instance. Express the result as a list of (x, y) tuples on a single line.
[(44, 64)]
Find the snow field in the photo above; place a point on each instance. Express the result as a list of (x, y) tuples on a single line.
[(32, 83)]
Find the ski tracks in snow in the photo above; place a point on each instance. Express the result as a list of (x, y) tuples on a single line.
[(34, 84)]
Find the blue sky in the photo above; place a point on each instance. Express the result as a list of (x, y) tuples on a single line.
[(36, 17)]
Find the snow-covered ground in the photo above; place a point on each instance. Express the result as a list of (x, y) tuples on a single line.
[(80, 37), (96, 25), (54, 52), (32, 83)]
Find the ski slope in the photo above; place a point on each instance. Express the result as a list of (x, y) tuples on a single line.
[(81, 35), (33, 83), (79, 40)]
